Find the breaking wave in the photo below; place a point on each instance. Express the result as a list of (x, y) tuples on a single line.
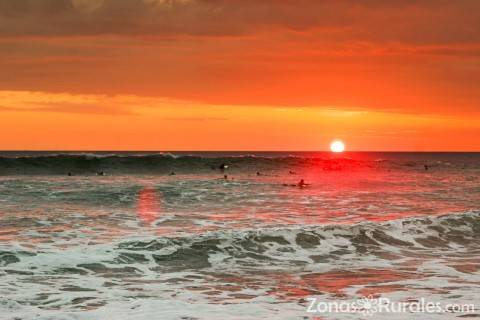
[(271, 248), (310, 244)]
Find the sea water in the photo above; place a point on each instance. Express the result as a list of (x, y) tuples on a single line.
[(172, 236)]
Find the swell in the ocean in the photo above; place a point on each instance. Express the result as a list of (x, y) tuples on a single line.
[(161, 163)]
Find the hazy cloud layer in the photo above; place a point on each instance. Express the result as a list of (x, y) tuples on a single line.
[(27, 101), (428, 21), (407, 56)]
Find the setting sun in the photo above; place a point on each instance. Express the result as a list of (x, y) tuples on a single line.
[(337, 146)]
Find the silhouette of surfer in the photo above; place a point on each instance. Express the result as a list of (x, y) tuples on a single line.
[(300, 184)]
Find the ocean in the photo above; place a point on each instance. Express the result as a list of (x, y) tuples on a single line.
[(233, 235)]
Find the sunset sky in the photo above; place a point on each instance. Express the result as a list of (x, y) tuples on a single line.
[(239, 74)]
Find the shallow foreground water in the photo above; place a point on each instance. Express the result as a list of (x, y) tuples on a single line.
[(139, 243)]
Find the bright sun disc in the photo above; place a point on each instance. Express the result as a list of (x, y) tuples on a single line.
[(337, 146)]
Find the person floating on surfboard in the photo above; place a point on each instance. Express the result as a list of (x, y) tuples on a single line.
[(300, 184)]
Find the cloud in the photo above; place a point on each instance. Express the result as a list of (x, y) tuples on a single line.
[(409, 56), (27, 101), (182, 119), (413, 21), (98, 104), (92, 109)]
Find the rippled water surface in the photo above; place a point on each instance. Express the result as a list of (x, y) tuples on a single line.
[(139, 243)]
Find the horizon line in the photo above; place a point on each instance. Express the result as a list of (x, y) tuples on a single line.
[(279, 151)]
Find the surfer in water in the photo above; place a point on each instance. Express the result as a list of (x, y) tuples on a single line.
[(300, 184)]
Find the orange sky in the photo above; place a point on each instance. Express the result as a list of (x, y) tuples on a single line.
[(239, 74)]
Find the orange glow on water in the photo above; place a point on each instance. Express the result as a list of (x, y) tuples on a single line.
[(148, 205)]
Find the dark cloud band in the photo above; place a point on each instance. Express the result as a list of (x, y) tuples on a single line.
[(370, 20)]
